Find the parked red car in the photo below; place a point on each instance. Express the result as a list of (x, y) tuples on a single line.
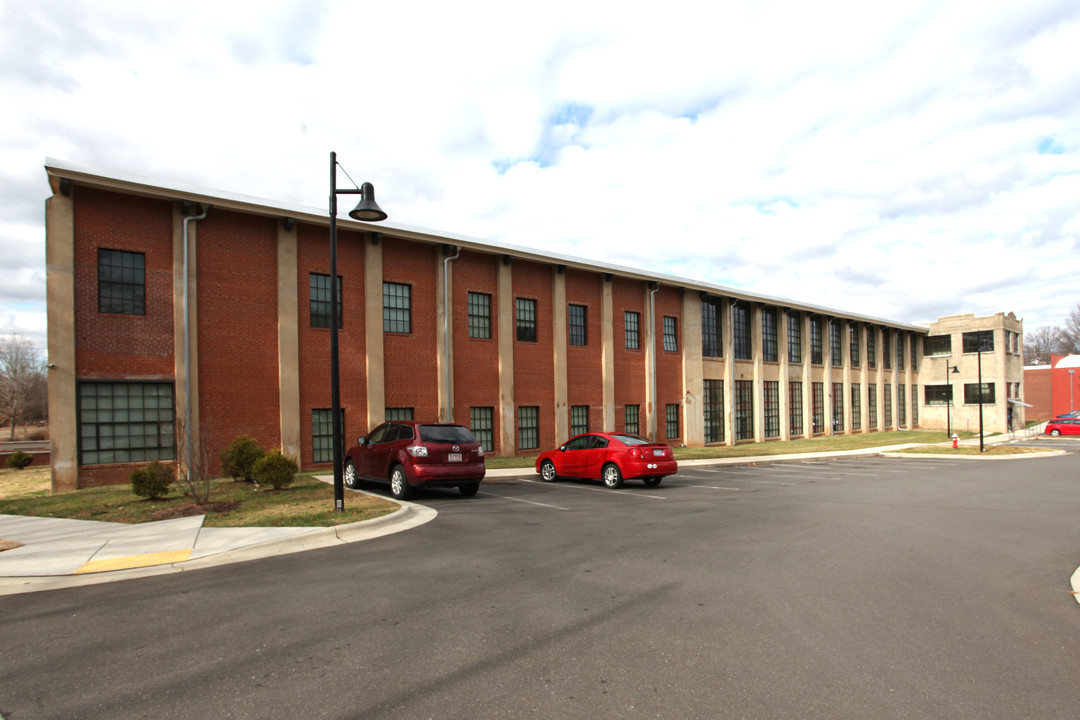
[(611, 457), (412, 454), (1063, 426)]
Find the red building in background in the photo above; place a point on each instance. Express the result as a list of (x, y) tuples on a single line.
[(1053, 389)]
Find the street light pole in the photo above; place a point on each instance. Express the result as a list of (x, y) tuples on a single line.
[(982, 448), (948, 407), (366, 210)]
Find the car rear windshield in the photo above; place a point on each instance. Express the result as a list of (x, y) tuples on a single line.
[(632, 439), (446, 434)]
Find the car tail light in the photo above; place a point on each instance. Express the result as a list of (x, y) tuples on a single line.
[(480, 451), (417, 450), (636, 453)]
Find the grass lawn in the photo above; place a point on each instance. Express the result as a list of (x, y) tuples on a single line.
[(308, 502)]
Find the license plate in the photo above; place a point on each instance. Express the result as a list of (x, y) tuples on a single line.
[(453, 457), (658, 453)]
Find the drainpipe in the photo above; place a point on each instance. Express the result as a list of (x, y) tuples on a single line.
[(187, 348), (446, 329), (652, 359)]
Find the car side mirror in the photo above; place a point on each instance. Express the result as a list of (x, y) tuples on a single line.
[(562, 448)]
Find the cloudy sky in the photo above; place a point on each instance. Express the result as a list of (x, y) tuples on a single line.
[(896, 159)]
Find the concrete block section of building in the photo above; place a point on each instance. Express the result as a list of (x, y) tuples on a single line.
[(180, 318)]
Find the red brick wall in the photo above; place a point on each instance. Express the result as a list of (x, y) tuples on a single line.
[(238, 328), (584, 364), (669, 370), (411, 370), (476, 360), (630, 366), (534, 363), (1037, 392), (313, 256)]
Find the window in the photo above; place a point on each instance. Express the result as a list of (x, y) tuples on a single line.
[(901, 405), (319, 300), (322, 434), (712, 342), (397, 308), (815, 341), (631, 419), (856, 406), (971, 393), (740, 331), (121, 282), (871, 347), (817, 406), (579, 419), (633, 330), (937, 394), (671, 421), (914, 354), (771, 407), (871, 405), (795, 407), (835, 344), (526, 320), (399, 414), (888, 405), (577, 325), (794, 338), (914, 401), (671, 340), (714, 411), (856, 349), (838, 407), (937, 345), (528, 428), (479, 316), (744, 410), (901, 338), (768, 335), (482, 424), (886, 357), (974, 340), (121, 422)]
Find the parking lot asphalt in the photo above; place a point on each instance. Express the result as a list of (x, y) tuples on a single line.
[(58, 553)]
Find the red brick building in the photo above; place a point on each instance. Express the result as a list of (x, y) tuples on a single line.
[(538, 346), (1053, 389)]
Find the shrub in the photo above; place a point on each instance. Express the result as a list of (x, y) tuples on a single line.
[(275, 470), (152, 481), (18, 460), (238, 460)]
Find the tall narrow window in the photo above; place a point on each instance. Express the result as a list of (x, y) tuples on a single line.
[(122, 422), (795, 407), (816, 352), (856, 349), (578, 334), (322, 434), (871, 405), (671, 421), (397, 307), (900, 354), (712, 344), (121, 282), (319, 300), (817, 406), (836, 343), (888, 405), (901, 405), (479, 316), (579, 419), (528, 427), (744, 409), (794, 338), (526, 320), (871, 346), (886, 349), (632, 331), (838, 407), (772, 408), (631, 419), (856, 406), (914, 354), (768, 335), (714, 411), (914, 404), (671, 338), (482, 424), (740, 330)]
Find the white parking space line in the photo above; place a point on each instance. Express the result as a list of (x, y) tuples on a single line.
[(608, 491), (773, 482), (530, 502)]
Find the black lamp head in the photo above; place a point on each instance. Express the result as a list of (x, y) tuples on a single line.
[(367, 209)]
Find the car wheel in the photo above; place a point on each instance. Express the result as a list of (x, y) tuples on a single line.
[(653, 481), (399, 484), (612, 476), (351, 481), (1055, 431), (547, 471), (469, 489)]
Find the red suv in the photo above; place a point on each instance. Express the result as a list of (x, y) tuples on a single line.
[(410, 454)]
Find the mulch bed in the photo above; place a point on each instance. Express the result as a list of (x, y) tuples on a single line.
[(177, 511), (9, 545)]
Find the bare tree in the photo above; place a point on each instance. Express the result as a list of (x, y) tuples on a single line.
[(193, 468), (1070, 333), (22, 375), (1040, 342)]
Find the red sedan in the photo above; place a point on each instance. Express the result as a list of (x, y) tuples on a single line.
[(611, 457)]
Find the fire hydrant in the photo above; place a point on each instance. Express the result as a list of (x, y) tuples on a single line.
[(955, 440)]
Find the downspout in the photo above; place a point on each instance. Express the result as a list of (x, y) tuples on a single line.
[(187, 349), (446, 332), (652, 360)]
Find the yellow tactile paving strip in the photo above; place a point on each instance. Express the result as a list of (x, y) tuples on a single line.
[(134, 561)]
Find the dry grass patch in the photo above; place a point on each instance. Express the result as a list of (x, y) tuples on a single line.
[(994, 450), (33, 480)]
